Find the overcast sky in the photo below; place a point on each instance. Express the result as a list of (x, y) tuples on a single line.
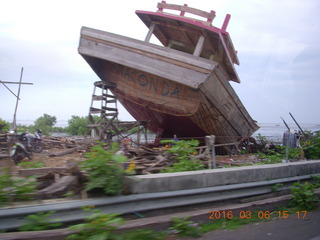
[(277, 42)]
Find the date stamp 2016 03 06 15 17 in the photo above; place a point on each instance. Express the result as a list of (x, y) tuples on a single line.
[(256, 215)]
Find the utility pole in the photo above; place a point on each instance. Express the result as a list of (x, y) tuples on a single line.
[(14, 124)]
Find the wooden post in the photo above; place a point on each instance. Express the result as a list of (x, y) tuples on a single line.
[(199, 46), (210, 142), (225, 23), (287, 153), (148, 37)]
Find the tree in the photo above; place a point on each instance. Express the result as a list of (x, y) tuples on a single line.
[(45, 123), (77, 125), (4, 126)]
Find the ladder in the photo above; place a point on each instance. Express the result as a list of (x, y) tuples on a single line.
[(103, 113)]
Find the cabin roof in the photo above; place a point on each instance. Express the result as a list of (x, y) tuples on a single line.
[(182, 33)]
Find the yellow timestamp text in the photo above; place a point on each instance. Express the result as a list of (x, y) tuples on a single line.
[(256, 214)]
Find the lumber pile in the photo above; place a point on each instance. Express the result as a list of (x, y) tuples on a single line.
[(60, 142), (67, 145), (149, 160)]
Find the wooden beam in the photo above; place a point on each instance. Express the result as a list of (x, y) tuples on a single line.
[(151, 29), (16, 82), (199, 47)]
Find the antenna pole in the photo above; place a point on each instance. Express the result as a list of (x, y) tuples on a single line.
[(297, 123)]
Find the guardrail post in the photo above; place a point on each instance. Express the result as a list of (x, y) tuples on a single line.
[(210, 141)]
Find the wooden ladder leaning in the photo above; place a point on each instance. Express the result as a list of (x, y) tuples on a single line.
[(103, 113)]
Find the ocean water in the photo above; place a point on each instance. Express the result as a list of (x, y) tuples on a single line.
[(274, 131)]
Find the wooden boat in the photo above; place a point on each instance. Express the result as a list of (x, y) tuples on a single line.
[(181, 87)]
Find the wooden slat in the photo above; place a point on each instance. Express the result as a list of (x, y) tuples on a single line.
[(110, 109), (98, 98), (95, 110), (111, 101)]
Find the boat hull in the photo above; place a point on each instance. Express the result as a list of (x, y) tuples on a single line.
[(174, 92)]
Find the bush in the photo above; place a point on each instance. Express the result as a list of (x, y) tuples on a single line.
[(311, 146), (183, 151), (185, 227), (97, 226), (303, 196), (4, 126), (104, 169), (39, 222), (15, 188)]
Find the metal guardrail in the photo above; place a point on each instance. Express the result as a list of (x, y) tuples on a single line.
[(68, 212)]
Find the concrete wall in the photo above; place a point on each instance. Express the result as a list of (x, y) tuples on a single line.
[(209, 178)]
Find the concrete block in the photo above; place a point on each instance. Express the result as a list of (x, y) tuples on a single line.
[(164, 182)]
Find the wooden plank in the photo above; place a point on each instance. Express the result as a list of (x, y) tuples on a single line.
[(174, 72), (147, 48)]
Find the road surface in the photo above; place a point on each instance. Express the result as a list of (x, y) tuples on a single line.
[(294, 228)]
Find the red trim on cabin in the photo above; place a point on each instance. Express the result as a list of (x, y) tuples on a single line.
[(183, 12), (194, 22), (225, 23), (161, 9), (209, 20)]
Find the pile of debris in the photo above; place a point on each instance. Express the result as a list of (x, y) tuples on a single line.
[(67, 145), (56, 182), (3, 143), (61, 142), (148, 160)]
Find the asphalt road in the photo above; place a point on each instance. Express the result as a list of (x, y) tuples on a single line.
[(294, 228)]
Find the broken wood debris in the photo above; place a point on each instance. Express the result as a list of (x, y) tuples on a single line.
[(56, 182), (60, 142), (149, 160), (65, 152)]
